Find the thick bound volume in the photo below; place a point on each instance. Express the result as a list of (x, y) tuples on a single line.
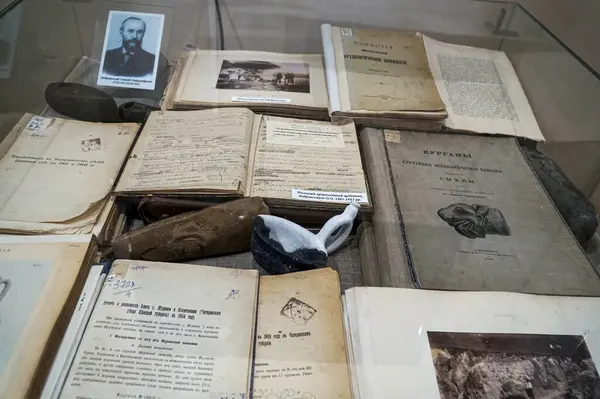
[(270, 83), (56, 174), (468, 213), (406, 80), (292, 163), (41, 278)]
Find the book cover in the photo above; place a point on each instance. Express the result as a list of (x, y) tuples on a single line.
[(475, 217)]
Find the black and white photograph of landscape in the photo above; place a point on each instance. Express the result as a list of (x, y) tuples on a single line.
[(264, 76), (513, 366)]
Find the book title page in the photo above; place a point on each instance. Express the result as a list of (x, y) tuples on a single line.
[(476, 217), (168, 331), (388, 71)]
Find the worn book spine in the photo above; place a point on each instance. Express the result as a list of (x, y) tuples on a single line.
[(368, 255), (393, 261)]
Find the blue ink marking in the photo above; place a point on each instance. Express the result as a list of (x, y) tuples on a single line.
[(139, 268), (233, 294)]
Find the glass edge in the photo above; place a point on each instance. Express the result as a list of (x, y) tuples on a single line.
[(9, 7), (560, 42)]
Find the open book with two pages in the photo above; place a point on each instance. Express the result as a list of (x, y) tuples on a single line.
[(400, 79), (291, 85), (289, 162), (226, 333), (204, 340)]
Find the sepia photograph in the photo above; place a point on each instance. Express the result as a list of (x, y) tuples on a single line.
[(264, 76), (131, 50), (513, 366)]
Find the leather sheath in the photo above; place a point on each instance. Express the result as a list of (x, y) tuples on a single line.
[(218, 230)]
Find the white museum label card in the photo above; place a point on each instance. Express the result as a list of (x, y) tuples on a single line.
[(131, 50), (329, 196), (237, 99), (39, 123), (304, 134)]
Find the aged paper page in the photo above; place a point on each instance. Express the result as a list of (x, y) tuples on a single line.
[(36, 278), (492, 344), (57, 169), (170, 331), (300, 343), (385, 70), (306, 160), (481, 91), (252, 77), (192, 150)]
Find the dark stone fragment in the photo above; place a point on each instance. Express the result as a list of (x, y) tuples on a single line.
[(81, 102), (573, 205), (271, 256)]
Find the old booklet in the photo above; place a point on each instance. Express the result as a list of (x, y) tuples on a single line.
[(40, 280), (468, 213), (399, 79), (234, 152), (433, 344), (56, 174), (269, 83), (300, 343), (168, 330)]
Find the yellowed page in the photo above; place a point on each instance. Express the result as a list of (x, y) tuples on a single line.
[(191, 150), (36, 278), (170, 331), (57, 169), (481, 90), (298, 159), (383, 71), (300, 344), (250, 78)]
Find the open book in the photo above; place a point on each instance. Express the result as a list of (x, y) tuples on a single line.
[(396, 79), (56, 174), (40, 281), (197, 336), (270, 83), (234, 152), (432, 344)]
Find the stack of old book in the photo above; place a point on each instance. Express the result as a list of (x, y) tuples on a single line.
[(56, 175), (216, 332), (277, 84), (406, 80), (40, 281)]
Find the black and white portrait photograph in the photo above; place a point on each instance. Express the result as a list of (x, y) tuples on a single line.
[(264, 76), (516, 366), (131, 50)]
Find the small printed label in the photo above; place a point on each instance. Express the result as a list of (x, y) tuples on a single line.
[(39, 123), (347, 32), (304, 134), (392, 136), (328, 196), (261, 100)]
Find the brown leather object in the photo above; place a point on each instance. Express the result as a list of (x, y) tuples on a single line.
[(218, 230)]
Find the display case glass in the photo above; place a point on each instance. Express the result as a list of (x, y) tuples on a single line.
[(48, 41)]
